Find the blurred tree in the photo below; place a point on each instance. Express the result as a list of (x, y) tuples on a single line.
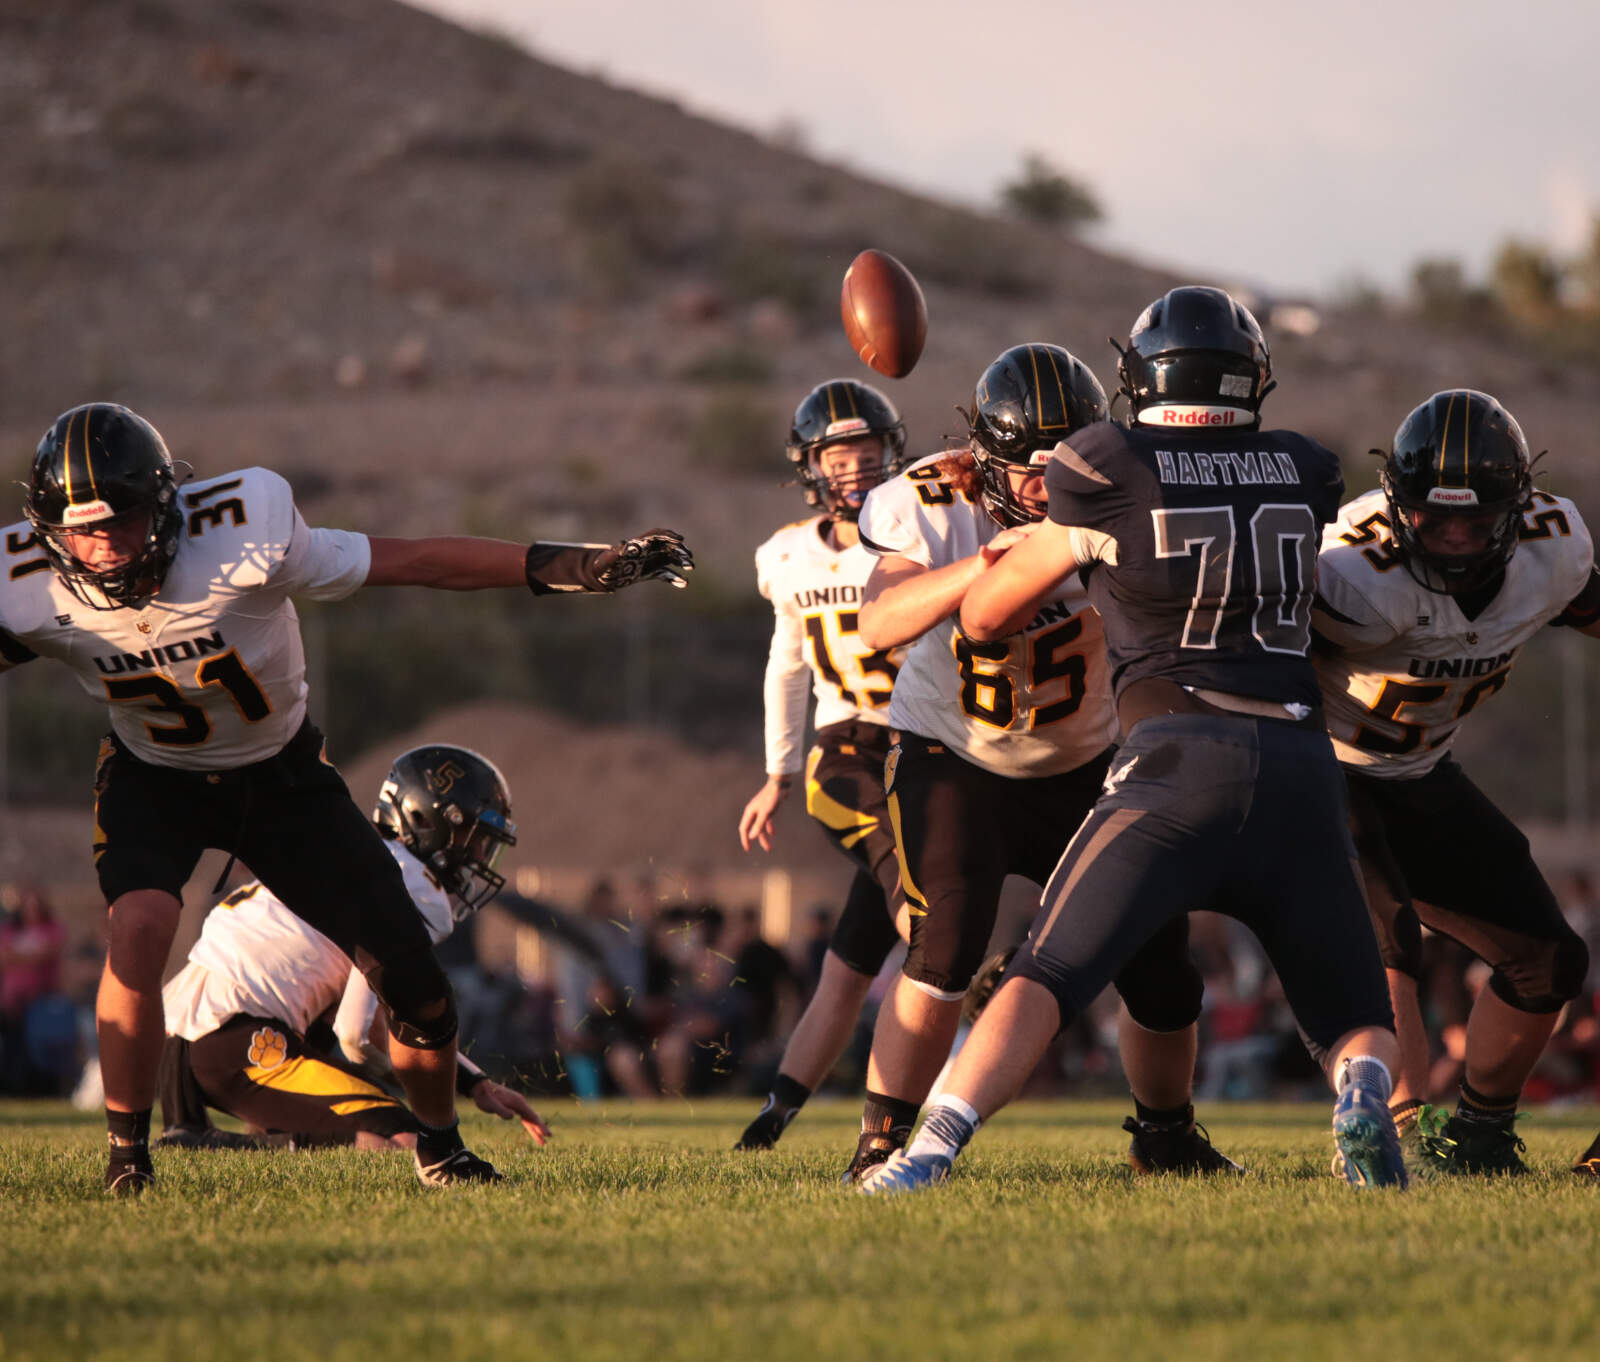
[(1526, 281), (1047, 195)]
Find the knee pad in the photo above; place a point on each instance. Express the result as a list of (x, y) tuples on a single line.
[(421, 1003), (1162, 994), (946, 950), (1548, 983)]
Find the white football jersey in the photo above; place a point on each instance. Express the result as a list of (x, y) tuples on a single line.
[(1035, 704), (255, 958), (209, 674), (1410, 666), (815, 590)]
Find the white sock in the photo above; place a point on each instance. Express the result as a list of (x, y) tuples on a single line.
[(950, 1123), (1366, 1071)]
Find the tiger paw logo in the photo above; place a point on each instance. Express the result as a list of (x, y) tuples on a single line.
[(268, 1048)]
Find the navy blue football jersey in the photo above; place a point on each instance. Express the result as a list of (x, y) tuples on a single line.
[(1201, 551)]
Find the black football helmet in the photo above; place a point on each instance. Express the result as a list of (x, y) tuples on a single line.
[(832, 412), (97, 465), (1027, 401), (1459, 454), (451, 809), (1195, 358)]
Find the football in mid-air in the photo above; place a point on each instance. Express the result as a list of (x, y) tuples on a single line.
[(884, 313)]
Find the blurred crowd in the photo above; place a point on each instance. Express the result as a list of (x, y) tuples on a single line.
[(642, 996)]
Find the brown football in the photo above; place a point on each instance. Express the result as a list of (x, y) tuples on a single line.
[(884, 313)]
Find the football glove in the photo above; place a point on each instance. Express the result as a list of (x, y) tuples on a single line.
[(661, 554)]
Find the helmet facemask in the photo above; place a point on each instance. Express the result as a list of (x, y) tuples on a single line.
[(97, 470), (1459, 454), (840, 495), (999, 495)]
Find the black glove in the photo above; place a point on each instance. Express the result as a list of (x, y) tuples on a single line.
[(598, 568), (661, 554)]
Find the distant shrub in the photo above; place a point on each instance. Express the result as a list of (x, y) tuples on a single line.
[(730, 364), (735, 432), (627, 201), (968, 251), (1441, 292), (1044, 194), (765, 267)]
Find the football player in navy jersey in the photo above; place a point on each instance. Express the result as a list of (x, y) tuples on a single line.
[(1427, 588), (172, 604), (1000, 750), (1197, 533), (845, 439)]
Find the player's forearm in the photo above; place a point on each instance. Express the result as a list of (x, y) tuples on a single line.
[(1010, 591), (448, 563), (785, 691), (905, 611)]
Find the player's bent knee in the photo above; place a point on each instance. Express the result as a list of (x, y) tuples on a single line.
[(1548, 983), (1401, 946), (421, 1003), (1165, 999)]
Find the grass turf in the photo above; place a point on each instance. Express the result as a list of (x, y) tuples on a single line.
[(638, 1235)]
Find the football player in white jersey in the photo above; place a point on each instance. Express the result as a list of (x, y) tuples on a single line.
[(1426, 590), (172, 604), (1000, 750), (845, 439), (238, 1012)]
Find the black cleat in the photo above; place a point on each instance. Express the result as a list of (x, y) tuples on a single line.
[(872, 1149), (455, 1169), (763, 1132), (1588, 1164), (129, 1171), (1472, 1149), (205, 1137), (1175, 1148)]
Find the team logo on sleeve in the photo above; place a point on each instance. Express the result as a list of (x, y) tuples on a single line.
[(268, 1048)]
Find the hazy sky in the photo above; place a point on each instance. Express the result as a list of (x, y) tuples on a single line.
[(1292, 146)]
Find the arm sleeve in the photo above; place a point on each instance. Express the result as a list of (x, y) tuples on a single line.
[(888, 525), (783, 694)]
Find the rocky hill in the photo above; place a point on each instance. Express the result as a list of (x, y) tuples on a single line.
[(442, 284)]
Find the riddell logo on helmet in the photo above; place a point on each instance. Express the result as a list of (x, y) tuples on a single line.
[(1452, 496), (1193, 416), (89, 510), (851, 425)]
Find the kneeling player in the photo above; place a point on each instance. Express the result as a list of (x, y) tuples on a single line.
[(237, 1014)]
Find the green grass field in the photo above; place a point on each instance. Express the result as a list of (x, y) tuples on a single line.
[(637, 1235)]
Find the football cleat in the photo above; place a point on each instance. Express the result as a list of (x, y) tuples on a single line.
[(902, 1172), (205, 1137), (872, 1150), (1369, 1149), (461, 1167), (1472, 1149), (1588, 1164), (1412, 1124), (1175, 1149), (129, 1171)]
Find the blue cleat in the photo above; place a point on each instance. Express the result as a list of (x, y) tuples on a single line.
[(903, 1172), (1369, 1148)]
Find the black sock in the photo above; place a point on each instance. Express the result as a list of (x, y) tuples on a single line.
[(128, 1129), (788, 1094), (889, 1116), (437, 1143), (1486, 1109), (1164, 1116)]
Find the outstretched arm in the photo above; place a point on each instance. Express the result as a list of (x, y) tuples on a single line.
[(1009, 591), (903, 599), (458, 563)]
